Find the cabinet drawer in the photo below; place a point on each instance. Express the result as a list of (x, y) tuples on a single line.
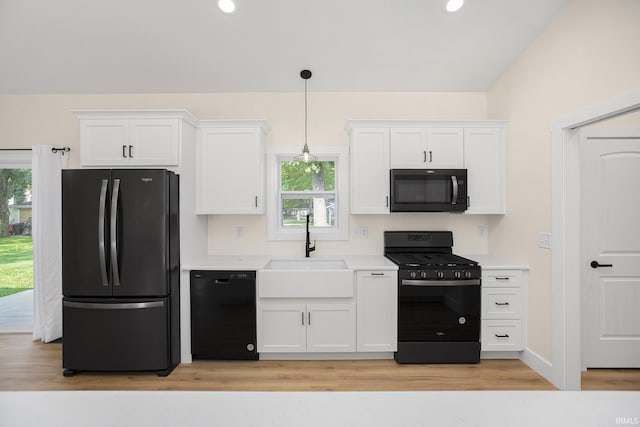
[(501, 335), (491, 278), (501, 303)]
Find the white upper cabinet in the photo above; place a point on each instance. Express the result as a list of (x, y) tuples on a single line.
[(370, 171), (484, 161), (433, 148), (380, 145), (230, 167), (126, 138)]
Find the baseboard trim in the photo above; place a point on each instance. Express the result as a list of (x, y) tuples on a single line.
[(500, 354), (326, 356), (538, 364)]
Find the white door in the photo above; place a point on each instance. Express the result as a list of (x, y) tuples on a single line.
[(408, 148), (282, 328), (445, 148), (331, 327), (611, 248), (370, 171)]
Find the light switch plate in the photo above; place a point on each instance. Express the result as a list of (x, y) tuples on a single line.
[(361, 232), (544, 240)]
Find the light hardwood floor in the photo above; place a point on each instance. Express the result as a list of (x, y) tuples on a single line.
[(28, 365)]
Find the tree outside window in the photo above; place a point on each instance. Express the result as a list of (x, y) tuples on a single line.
[(308, 189)]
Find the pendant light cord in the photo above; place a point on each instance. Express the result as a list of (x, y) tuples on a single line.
[(305, 112)]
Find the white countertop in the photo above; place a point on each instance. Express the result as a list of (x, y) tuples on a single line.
[(354, 262), (490, 262), (257, 262)]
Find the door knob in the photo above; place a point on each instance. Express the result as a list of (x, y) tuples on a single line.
[(595, 264)]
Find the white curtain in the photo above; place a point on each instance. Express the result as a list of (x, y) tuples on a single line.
[(47, 241)]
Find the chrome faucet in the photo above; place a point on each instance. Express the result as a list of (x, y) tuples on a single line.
[(307, 246)]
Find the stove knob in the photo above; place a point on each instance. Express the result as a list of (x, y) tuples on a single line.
[(423, 274), (413, 274), (440, 274), (467, 274), (457, 275)]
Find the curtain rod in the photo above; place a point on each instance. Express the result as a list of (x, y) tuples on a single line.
[(53, 149)]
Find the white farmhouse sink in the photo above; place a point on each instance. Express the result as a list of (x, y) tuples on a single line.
[(305, 278)]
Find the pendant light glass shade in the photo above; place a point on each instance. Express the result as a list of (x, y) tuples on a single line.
[(306, 156)]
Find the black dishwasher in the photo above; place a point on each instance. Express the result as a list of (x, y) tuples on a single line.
[(223, 315)]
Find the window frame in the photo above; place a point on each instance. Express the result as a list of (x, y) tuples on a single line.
[(275, 230)]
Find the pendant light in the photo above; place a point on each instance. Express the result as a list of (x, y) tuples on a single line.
[(306, 155)]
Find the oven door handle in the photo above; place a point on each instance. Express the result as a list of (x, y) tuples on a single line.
[(468, 282)]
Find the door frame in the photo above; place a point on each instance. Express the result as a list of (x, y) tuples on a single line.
[(566, 267)]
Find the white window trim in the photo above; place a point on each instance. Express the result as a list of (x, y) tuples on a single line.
[(338, 153), (15, 159)]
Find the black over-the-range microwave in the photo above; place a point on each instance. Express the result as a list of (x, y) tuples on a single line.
[(428, 190)]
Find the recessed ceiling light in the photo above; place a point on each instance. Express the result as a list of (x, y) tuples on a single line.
[(452, 6), (227, 6)]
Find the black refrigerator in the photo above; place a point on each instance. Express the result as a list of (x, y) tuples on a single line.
[(120, 270)]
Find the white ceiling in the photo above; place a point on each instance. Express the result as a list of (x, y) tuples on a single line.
[(162, 46)]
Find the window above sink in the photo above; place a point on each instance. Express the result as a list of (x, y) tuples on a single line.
[(297, 189)]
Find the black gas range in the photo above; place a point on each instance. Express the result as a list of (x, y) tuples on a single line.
[(438, 298)]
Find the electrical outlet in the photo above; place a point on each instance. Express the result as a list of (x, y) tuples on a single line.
[(361, 232), (482, 230), (240, 232), (544, 240)]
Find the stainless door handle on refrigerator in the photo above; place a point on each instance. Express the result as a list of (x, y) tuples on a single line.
[(454, 197), (114, 232), (101, 223), (111, 306)]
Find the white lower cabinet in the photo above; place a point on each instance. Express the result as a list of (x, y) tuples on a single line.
[(314, 327), (377, 296), (503, 310)]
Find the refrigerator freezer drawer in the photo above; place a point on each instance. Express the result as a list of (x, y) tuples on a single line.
[(115, 335)]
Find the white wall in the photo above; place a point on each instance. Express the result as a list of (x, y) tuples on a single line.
[(587, 54), (36, 119)]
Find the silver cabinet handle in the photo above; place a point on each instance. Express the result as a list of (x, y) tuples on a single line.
[(430, 156), (302, 317), (387, 202), (309, 323), (502, 278), (124, 151), (130, 154), (454, 195), (256, 201), (501, 303), (502, 336), (114, 234), (377, 274), (101, 240)]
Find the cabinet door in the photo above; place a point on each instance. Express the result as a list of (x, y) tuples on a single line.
[(154, 142), (104, 142), (445, 148), (484, 160), (408, 148), (370, 171), (230, 173), (331, 327), (282, 328), (377, 311), (144, 142)]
